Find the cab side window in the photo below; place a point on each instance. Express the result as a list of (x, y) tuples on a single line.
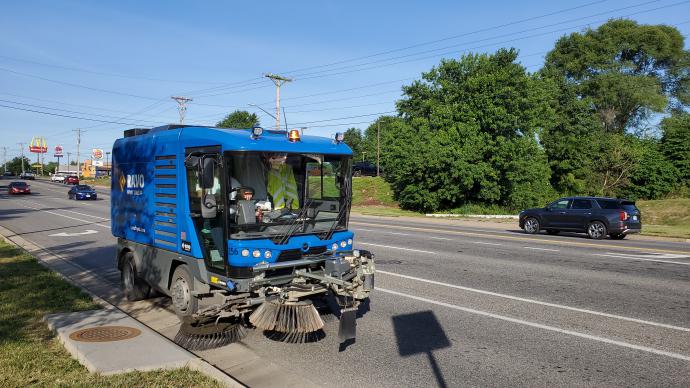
[(561, 204), (582, 204)]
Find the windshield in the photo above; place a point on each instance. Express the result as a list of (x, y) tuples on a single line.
[(83, 187), (280, 195)]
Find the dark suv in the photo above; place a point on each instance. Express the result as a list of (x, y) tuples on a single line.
[(596, 216), (365, 169)]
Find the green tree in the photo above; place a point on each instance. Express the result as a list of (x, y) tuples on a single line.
[(675, 143), (239, 119), (15, 165), (626, 71), (353, 138), (469, 133), (654, 176)]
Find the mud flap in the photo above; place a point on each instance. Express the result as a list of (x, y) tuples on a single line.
[(348, 324)]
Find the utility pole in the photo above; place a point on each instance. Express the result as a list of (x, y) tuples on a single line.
[(182, 106), (378, 148), (107, 162), (4, 159), (278, 81), (69, 169), (21, 145), (78, 131)]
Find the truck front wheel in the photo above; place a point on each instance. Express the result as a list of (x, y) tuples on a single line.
[(181, 288), (135, 288)]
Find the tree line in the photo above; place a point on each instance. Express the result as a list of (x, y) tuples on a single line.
[(606, 115)]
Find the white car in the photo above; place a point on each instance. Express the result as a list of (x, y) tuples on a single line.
[(57, 178)]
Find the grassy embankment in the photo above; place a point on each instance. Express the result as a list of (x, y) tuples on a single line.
[(30, 355), (667, 217)]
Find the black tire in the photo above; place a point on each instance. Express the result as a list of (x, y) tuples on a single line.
[(134, 287), (553, 232), (181, 288), (531, 225), (618, 236), (596, 230)]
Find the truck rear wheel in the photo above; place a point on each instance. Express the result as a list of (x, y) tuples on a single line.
[(135, 288), (181, 288)]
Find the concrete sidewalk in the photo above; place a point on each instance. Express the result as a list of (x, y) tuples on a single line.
[(233, 365), (109, 341)]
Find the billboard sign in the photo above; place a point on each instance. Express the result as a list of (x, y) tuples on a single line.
[(97, 154), (38, 145), (58, 151)]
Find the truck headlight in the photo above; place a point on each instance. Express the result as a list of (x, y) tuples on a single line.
[(343, 244), (349, 241), (334, 246), (245, 252), (267, 254), (256, 253)]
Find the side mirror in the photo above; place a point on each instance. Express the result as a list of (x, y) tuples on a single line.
[(207, 172), (208, 206)]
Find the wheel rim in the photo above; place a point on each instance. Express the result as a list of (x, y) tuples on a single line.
[(531, 225), (596, 230), (180, 293)]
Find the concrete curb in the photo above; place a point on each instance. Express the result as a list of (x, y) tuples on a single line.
[(39, 253), (488, 216)]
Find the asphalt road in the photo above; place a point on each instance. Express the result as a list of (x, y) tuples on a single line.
[(457, 306)]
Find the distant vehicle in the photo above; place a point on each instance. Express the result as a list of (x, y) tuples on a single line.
[(8, 173), (82, 192), (71, 180), (57, 178), (596, 216), (18, 188), (27, 176), (364, 169)]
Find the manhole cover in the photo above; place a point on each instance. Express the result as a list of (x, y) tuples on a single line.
[(105, 334)]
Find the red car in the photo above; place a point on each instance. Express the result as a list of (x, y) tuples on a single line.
[(18, 188), (72, 180)]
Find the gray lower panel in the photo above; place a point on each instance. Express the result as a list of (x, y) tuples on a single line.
[(155, 265)]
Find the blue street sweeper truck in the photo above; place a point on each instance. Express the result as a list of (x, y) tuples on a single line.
[(241, 228)]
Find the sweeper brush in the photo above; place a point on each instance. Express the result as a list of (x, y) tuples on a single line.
[(287, 317), (208, 334)]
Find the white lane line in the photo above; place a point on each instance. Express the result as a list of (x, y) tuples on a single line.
[(402, 249), (533, 301), (71, 218), (486, 243), (635, 258), (72, 211), (442, 238), (541, 326), (543, 249)]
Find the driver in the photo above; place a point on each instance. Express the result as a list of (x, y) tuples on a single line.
[(281, 184)]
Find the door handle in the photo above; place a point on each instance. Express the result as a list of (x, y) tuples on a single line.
[(561, 212), (589, 213)]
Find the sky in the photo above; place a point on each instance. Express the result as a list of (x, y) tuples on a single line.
[(103, 67)]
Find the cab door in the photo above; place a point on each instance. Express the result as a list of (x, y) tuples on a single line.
[(579, 213), (556, 216), (210, 230)]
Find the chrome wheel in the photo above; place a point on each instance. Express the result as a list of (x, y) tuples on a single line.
[(531, 225), (181, 294), (596, 230)]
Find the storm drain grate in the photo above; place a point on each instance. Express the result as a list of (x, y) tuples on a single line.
[(104, 334)]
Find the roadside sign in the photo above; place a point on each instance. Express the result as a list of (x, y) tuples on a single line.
[(58, 151), (97, 154)]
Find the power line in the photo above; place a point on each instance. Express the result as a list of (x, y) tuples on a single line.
[(76, 85), (238, 84), (68, 116), (105, 73), (65, 110)]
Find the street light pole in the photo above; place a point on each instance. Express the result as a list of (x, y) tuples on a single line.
[(107, 161), (22, 149)]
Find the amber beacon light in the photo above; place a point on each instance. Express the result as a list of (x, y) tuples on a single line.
[(293, 135)]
